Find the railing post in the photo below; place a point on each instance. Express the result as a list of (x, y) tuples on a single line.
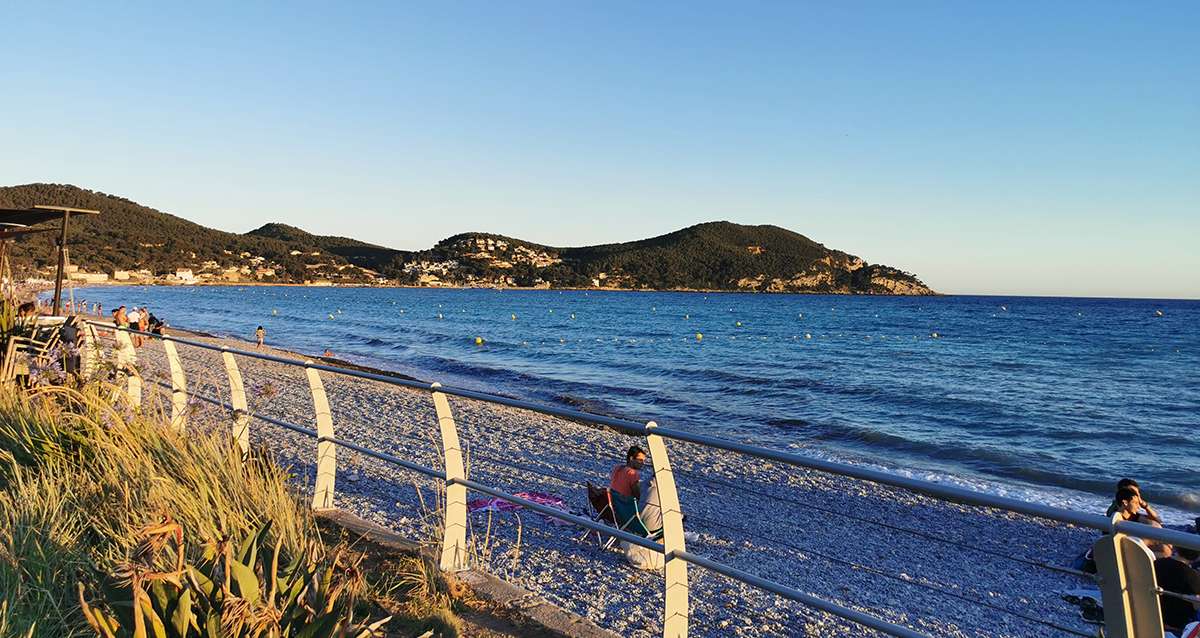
[(89, 353), (675, 595), (126, 362), (454, 534), (326, 448), (237, 398), (1127, 586), (178, 386)]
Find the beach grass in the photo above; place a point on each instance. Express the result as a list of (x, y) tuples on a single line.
[(83, 477)]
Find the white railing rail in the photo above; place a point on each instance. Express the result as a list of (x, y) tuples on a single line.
[(1125, 566)]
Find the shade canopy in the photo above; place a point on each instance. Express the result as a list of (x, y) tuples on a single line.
[(8, 232), (39, 214)]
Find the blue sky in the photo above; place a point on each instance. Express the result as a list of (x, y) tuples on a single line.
[(994, 148)]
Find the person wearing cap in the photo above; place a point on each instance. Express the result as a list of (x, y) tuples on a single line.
[(134, 320)]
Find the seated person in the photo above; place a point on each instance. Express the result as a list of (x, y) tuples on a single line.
[(625, 479), (1174, 574), (27, 314), (1129, 508), (1132, 484)]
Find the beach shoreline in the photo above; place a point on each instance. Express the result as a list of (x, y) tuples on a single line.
[(857, 543)]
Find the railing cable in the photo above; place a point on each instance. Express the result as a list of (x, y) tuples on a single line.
[(885, 574), (896, 528)]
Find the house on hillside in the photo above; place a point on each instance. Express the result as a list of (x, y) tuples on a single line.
[(88, 277)]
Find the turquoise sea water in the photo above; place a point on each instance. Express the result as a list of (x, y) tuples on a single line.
[(1056, 397)]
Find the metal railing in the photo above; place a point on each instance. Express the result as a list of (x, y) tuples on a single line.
[(1125, 566)]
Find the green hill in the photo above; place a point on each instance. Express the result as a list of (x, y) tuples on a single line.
[(710, 256), (352, 250), (129, 236)]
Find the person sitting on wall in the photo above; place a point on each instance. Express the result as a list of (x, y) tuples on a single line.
[(1129, 508), (1149, 514), (1174, 573), (625, 479)]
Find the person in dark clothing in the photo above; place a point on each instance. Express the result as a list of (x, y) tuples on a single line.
[(156, 325), (1175, 574)]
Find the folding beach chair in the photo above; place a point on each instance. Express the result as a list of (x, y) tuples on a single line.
[(617, 510)]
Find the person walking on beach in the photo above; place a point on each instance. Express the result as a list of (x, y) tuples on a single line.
[(259, 336)]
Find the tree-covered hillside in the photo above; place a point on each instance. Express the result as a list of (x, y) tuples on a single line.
[(710, 256), (352, 250), (129, 236)]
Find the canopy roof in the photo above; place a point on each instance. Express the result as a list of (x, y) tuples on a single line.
[(39, 214)]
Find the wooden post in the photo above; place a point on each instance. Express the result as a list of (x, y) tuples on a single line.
[(126, 362), (178, 386), (62, 263), (454, 534), (675, 595), (1127, 585), (326, 448), (237, 398)]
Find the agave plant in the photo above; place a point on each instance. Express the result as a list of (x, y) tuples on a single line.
[(242, 592)]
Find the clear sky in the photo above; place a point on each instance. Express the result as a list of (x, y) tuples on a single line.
[(989, 147)]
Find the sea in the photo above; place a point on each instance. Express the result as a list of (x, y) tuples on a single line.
[(1050, 399)]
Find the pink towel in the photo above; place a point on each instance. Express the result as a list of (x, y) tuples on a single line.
[(501, 505)]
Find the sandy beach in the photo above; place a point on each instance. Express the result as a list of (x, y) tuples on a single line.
[(945, 569)]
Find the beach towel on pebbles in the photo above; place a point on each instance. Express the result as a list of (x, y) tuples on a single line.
[(501, 505)]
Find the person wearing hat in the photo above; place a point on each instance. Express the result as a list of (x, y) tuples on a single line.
[(134, 321)]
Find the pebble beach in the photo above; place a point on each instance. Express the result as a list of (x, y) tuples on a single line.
[(943, 569)]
